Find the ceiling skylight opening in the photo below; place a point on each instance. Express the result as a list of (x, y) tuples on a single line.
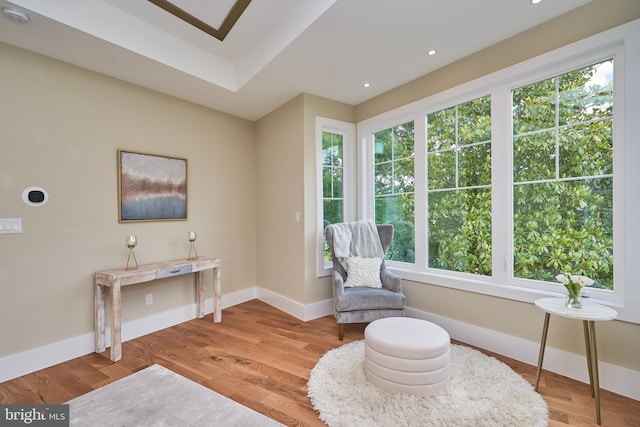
[(432, 52)]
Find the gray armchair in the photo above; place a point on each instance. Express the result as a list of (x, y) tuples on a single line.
[(364, 304)]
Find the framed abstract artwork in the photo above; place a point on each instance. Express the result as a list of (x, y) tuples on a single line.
[(151, 187)]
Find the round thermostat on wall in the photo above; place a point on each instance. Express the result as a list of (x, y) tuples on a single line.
[(35, 196)]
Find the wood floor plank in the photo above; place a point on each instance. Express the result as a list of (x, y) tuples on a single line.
[(261, 358), (45, 389), (16, 391)]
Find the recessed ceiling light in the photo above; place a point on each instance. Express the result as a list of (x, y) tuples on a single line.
[(366, 85), (536, 1), (14, 15), (432, 52)]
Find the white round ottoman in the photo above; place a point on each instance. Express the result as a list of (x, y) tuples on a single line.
[(407, 355)]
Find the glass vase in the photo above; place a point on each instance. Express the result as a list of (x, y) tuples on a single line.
[(573, 300)]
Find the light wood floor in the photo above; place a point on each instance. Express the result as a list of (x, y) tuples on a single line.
[(261, 358)]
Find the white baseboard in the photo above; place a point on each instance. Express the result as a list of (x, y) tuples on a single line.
[(294, 308), (282, 303), (614, 378), (318, 309)]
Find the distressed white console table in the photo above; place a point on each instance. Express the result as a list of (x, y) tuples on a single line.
[(116, 279)]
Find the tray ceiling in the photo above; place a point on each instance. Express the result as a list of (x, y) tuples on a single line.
[(275, 49)]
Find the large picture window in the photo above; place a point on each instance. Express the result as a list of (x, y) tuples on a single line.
[(563, 176), (500, 184)]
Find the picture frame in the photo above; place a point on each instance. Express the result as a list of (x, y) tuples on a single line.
[(151, 187)]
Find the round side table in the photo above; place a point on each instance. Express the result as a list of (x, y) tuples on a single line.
[(589, 314)]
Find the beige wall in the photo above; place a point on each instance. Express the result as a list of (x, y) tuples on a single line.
[(619, 342), (280, 193), (286, 168), (60, 129)]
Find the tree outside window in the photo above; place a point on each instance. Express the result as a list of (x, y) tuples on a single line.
[(563, 176), (332, 182), (394, 181), (459, 187)]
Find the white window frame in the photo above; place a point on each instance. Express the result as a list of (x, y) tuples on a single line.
[(623, 45), (348, 132)]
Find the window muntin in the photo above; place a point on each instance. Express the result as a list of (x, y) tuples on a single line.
[(394, 186), (459, 187), (562, 137)]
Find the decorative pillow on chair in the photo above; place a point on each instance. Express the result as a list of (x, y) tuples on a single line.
[(363, 272)]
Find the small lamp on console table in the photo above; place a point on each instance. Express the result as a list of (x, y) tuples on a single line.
[(131, 243), (192, 248)]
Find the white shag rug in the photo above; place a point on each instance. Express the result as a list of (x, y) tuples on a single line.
[(483, 392)]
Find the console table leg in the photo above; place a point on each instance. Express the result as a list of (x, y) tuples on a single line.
[(543, 343), (217, 290), (116, 321), (99, 318), (200, 294)]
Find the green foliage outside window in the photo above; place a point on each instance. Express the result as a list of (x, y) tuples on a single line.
[(562, 181), (332, 182), (394, 181), (459, 187), (562, 172)]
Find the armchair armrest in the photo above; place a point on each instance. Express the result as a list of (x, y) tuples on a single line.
[(338, 284), (390, 281)]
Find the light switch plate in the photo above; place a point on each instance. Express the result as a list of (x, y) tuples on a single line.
[(10, 225)]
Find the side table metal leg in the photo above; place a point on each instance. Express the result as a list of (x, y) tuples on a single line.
[(594, 367), (587, 343), (543, 343)]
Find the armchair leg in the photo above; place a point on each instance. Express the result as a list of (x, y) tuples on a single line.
[(341, 331)]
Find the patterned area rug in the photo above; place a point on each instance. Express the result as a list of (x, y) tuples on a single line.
[(483, 392), (157, 396)]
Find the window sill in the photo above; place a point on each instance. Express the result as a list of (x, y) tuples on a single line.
[(504, 290)]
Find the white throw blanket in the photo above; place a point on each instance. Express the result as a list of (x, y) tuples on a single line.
[(358, 238)]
